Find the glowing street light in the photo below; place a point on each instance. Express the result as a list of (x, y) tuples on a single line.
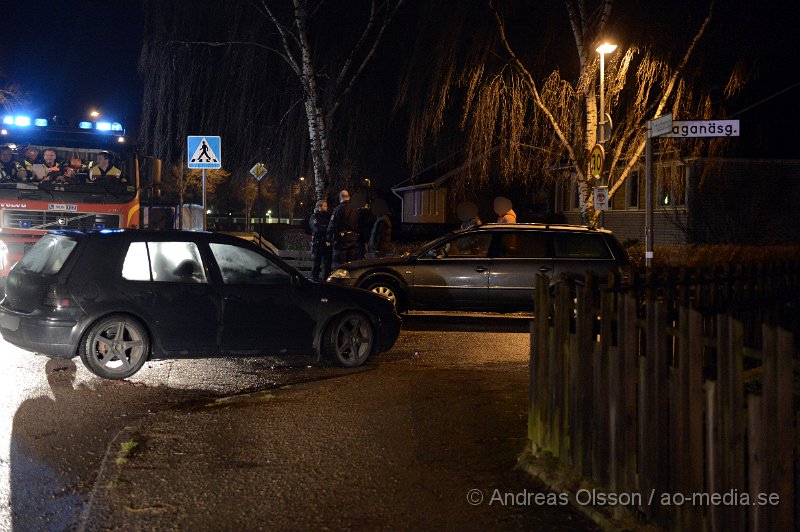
[(94, 113), (603, 49)]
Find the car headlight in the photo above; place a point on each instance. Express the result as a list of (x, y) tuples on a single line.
[(339, 274)]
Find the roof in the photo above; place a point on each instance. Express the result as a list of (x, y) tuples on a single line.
[(559, 227)]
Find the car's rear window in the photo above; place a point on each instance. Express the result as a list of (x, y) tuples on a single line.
[(48, 255), (581, 246)]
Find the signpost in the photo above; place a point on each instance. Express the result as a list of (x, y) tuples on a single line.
[(596, 158), (259, 171), (204, 152), (662, 127), (601, 198)]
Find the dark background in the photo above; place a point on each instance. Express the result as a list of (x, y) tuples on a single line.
[(69, 57)]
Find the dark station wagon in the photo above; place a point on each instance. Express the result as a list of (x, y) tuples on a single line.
[(118, 298), (491, 267)]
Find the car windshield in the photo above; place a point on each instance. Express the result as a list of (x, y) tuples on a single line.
[(66, 173), (436, 241), (48, 255)]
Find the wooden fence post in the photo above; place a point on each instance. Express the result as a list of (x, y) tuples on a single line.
[(582, 409)]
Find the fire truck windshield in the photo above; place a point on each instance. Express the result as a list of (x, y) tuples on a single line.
[(55, 175)]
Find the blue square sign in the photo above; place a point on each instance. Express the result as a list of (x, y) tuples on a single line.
[(204, 151)]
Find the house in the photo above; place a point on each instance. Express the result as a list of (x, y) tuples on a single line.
[(703, 200), (697, 200)]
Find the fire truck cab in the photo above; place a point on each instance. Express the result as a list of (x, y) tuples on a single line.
[(92, 182)]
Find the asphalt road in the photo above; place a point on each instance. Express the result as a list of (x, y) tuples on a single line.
[(63, 427)]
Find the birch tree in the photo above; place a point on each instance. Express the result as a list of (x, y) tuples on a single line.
[(277, 57), (541, 123)]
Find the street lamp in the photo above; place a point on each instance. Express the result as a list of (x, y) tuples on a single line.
[(603, 49), (94, 114)]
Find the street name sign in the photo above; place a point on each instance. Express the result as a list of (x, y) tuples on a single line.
[(703, 128), (258, 171), (661, 125), (204, 152)]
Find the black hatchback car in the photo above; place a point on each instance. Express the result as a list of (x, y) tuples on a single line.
[(491, 267), (117, 298)]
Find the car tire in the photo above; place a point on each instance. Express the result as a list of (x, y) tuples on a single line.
[(349, 339), (390, 290), (107, 357)]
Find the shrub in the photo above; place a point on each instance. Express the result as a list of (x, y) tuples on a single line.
[(709, 255)]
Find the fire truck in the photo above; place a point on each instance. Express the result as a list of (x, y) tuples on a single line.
[(33, 202)]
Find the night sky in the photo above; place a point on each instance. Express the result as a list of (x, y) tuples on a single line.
[(69, 57), (83, 55)]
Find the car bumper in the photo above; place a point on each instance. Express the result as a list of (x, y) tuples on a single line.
[(342, 281), (389, 330), (46, 335)]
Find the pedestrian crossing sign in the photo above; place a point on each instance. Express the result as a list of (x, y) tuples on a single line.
[(204, 152)]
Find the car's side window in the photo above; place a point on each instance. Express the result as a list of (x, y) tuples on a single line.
[(167, 262), (243, 266), (581, 246), (137, 263), (474, 245), (522, 245)]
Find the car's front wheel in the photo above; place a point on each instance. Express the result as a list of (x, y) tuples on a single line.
[(389, 290), (349, 339), (115, 347)]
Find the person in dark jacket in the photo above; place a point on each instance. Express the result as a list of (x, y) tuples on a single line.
[(381, 231), (343, 231), (320, 246)]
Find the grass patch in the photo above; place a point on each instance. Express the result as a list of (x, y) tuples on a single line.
[(126, 448)]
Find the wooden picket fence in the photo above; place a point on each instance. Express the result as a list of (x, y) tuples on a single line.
[(674, 384)]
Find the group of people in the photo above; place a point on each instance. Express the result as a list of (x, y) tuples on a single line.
[(43, 166), (339, 237)]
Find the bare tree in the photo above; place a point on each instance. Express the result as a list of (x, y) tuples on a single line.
[(538, 125), (319, 65)]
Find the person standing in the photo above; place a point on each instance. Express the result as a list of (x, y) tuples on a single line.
[(381, 233), (343, 231), (320, 246), (468, 214), (505, 214)]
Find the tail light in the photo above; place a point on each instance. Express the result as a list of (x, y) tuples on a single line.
[(57, 298)]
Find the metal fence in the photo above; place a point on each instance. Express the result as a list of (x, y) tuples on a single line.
[(676, 386)]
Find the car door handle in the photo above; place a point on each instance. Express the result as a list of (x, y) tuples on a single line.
[(480, 269), (545, 269)]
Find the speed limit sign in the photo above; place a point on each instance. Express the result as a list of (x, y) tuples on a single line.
[(596, 158)]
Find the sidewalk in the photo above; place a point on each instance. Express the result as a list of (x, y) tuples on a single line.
[(397, 447)]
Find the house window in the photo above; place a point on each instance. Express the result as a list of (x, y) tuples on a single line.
[(632, 190), (672, 186), (576, 196)]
